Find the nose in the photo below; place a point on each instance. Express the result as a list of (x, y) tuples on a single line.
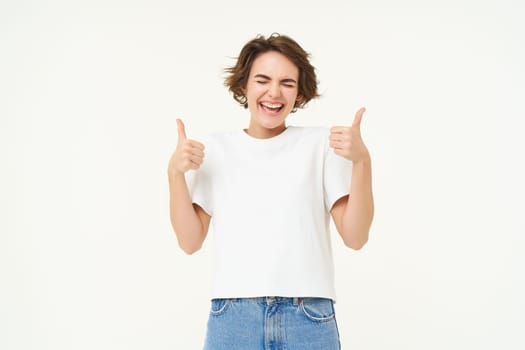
[(274, 90)]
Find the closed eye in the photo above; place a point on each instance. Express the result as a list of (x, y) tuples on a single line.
[(263, 79), (288, 82)]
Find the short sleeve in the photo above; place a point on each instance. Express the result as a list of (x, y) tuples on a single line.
[(337, 175), (200, 185)]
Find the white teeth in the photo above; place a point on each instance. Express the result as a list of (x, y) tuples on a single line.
[(272, 105)]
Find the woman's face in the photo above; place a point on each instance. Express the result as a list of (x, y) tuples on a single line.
[(271, 93)]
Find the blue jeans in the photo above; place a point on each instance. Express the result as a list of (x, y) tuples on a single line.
[(272, 323)]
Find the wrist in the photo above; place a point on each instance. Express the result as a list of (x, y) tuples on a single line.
[(365, 160), (175, 174)]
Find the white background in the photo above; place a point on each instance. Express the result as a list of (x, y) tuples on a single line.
[(89, 93)]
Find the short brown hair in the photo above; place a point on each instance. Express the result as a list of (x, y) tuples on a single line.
[(239, 73)]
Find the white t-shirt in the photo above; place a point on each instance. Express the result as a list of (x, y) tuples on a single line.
[(270, 201)]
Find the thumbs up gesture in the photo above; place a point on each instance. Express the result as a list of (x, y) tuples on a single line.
[(347, 142), (189, 154)]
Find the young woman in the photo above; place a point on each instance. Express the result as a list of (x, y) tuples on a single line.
[(270, 190)]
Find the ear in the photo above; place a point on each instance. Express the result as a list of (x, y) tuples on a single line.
[(298, 98)]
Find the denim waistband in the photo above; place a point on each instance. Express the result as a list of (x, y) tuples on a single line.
[(270, 300)]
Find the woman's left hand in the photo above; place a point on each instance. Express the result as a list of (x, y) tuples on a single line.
[(347, 142)]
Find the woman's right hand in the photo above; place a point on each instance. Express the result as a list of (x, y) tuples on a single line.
[(189, 154)]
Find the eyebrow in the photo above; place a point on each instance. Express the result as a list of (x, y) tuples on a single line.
[(288, 80)]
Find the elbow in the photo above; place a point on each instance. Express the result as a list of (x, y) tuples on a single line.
[(188, 243), (356, 241), (189, 240), (189, 249), (355, 237), (355, 245)]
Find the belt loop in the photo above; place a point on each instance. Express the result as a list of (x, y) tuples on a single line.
[(297, 301)]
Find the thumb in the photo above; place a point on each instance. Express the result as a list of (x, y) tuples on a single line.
[(181, 130), (358, 117)]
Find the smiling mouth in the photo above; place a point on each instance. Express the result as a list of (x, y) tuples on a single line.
[(271, 107)]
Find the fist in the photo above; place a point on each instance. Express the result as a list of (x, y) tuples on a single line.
[(189, 154), (347, 142)]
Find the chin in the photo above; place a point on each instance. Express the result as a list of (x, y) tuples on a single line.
[(271, 124)]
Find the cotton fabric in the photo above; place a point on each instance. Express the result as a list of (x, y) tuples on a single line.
[(270, 201)]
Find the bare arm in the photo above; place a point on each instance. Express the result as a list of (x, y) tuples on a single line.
[(189, 221), (353, 214)]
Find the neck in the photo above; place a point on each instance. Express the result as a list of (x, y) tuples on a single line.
[(264, 133)]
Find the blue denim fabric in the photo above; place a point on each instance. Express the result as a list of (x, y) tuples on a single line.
[(272, 323)]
